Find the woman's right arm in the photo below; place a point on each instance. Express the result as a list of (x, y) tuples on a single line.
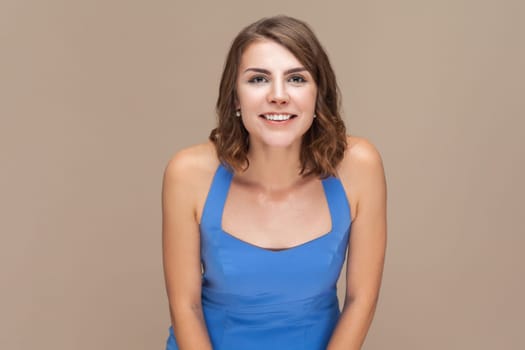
[(181, 253)]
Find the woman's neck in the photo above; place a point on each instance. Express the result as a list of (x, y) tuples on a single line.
[(273, 168)]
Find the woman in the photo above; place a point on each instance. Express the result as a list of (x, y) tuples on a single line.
[(257, 221)]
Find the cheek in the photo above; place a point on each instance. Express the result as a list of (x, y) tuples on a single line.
[(251, 98), (307, 100)]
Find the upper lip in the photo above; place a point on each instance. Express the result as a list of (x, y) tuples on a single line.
[(277, 113)]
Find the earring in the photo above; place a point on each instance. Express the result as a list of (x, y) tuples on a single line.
[(238, 113), (315, 115)]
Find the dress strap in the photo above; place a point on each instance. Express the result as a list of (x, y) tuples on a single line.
[(338, 204), (214, 205)]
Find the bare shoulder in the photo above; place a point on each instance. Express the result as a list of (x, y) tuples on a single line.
[(192, 165), (361, 172), (361, 158), (189, 172)]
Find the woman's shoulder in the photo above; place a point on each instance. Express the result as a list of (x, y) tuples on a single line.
[(193, 165), (362, 165), (360, 152)]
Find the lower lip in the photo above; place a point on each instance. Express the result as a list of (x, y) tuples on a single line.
[(279, 122)]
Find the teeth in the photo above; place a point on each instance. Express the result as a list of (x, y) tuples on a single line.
[(277, 116)]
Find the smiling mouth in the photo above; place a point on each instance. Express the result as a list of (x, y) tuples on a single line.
[(278, 117)]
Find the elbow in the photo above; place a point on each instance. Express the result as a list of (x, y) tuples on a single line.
[(181, 309), (178, 305), (363, 302)]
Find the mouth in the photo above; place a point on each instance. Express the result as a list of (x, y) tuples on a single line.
[(278, 117)]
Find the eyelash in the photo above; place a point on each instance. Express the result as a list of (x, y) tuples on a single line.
[(257, 79), (302, 79)]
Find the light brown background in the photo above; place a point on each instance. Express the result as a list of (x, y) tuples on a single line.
[(95, 96)]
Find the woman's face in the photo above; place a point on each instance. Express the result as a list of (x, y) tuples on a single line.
[(276, 95)]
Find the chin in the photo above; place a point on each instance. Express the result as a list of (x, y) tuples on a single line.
[(280, 142)]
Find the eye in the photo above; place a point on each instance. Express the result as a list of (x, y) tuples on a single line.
[(258, 79), (297, 79)]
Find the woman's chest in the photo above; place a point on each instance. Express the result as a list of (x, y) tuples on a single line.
[(277, 220)]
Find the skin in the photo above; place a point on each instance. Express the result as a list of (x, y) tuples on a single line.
[(268, 194)]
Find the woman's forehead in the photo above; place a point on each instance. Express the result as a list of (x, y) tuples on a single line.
[(268, 55)]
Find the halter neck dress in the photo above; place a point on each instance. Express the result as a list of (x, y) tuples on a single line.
[(255, 298)]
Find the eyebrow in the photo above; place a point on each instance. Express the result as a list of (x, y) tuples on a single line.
[(265, 71)]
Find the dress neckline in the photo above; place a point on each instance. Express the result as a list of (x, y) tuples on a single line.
[(227, 184)]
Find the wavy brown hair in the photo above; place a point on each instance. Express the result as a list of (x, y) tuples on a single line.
[(324, 144)]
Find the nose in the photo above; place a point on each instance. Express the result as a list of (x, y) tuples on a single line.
[(278, 94)]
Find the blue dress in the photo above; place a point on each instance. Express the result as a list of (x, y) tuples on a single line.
[(260, 299)]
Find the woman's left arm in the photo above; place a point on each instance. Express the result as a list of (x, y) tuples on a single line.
[(366, 251)]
